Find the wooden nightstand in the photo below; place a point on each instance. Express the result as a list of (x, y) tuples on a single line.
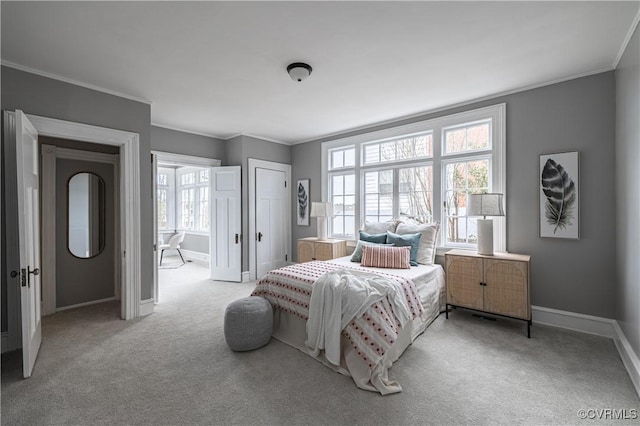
[(311, 249), (498, 284)]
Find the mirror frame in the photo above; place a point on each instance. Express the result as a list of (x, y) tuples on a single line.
[(101, 215)]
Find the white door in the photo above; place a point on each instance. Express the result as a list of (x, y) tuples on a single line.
[(271, 220), (156, 242), (29, 236), (225, 252)]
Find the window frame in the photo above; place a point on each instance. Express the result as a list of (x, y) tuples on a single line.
[(196, 198), (171, 196), (497, 180)]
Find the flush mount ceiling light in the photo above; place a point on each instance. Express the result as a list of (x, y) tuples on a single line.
[(299, 71)]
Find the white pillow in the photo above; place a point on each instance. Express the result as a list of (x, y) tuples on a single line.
[(427, 248), (380, 227)]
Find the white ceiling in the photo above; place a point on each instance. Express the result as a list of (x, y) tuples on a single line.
[(218, 68)]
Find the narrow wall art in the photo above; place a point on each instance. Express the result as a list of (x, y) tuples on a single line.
[(559, 195), (302, 206)]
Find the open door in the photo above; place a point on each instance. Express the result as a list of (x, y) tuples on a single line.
[(156, 241), (226, 224), (29, 238)]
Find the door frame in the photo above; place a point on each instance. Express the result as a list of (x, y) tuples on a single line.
[(130, 238), (269, 165), (49, 155), (178, 160)]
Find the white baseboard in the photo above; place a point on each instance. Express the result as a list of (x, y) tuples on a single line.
[(146, 307), (79, 305), (245, 277), (195, 255), (573, 321), (4, 341), (629, 357), (593, 325)]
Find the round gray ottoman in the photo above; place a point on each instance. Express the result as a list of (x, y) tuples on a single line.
[(248, 323)]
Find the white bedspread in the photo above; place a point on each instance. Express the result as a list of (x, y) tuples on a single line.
[(340, 296)]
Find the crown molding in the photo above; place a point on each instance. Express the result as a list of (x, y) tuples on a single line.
[(626, 40), (72, 81)]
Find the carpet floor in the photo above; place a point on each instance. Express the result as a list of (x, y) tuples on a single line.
[(174, 368)]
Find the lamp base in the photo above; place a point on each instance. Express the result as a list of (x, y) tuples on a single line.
[(485, 237), (322, 228)]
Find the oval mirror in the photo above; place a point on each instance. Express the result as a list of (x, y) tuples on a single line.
[(85, 207)]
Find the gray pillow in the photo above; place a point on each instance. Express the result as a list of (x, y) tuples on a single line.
[(427, 248), (380, 227)]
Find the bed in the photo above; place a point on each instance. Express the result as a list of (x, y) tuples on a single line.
[(371, 342)]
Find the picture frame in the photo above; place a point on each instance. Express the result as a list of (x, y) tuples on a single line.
[(559, 183), (303, 201)]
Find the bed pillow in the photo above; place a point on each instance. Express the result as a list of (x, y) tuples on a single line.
[(357, 253), (411, 240), (427, 248), (383, 256), (380, 227), (373, 238)]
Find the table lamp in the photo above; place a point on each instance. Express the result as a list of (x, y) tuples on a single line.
[(322, 211), (485, 205)]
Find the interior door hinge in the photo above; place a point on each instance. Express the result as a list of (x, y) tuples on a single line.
[(286, 257), (285, 183)]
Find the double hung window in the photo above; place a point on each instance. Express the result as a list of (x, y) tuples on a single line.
[(166, 198), (418, 173), (193, 198)]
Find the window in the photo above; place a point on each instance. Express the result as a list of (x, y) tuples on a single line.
[(166, 197), (193, 198), (406, 172)]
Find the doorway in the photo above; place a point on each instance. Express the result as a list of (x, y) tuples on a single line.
[(80, 219), (21, 160), (182, 185)]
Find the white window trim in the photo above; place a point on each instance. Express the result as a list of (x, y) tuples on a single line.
[(196, 199), (171, 197), (497, 113)]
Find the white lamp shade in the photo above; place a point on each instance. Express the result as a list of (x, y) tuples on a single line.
[(485, 205), (321, 209)]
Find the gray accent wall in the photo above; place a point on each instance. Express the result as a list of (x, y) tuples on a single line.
[(177, 142), (239, 150), (627, 175), (83, 280), (576, 115), (46, 97)]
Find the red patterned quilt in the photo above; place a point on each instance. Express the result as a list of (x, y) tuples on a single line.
[(371, 335)]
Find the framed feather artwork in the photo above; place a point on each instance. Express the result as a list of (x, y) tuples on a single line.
[(302, 206), (559, 195)]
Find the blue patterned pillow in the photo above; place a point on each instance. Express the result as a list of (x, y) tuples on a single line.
[(411, 240), (373, 238)]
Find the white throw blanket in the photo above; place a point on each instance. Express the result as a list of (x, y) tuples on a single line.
[(340, 296)]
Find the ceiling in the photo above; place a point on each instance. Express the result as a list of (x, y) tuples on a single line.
[(219, 68)]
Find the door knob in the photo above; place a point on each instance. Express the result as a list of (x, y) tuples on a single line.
[(34, 272)]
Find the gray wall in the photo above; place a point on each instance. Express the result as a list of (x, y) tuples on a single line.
[(239, 150), (176, 142), (628, 192), (83, 280), (577, 115), (46, 97), (197, 243)]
